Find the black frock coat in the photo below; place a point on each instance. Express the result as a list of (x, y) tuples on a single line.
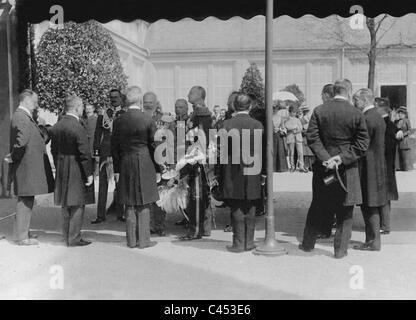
[(132, 149), (72, 157), (373, 171)]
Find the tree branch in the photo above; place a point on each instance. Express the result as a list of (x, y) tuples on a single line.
[(380, 22), (385, 31)]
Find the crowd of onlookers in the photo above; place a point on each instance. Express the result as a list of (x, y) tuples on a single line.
[(290, 122)]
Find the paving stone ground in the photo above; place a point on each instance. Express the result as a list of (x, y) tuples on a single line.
[(203, 269)]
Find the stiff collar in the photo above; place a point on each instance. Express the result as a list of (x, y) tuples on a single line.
[(26, 110), (371, 106), (340, 97), (135, 107), (241, 112), (73, 115)]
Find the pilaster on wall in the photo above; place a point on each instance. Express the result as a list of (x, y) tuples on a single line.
[(308, 82), (149, 81), (210, 93), (177, 81), (411, 95)]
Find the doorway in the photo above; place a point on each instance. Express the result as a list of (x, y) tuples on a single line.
[(397, 95)]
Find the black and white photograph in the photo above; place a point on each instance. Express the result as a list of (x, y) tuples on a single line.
[(231, 151)]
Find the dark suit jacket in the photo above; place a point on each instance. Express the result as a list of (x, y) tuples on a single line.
[(336, 127), (390, 153), (133, 157), (72, 157), (373, 165), (91, 125), (404, 125), (31, 171), (234, 182), (102, 136)]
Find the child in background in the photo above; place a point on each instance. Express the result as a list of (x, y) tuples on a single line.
[(294, 139)]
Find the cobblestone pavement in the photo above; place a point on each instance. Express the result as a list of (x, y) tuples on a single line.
[(203, 269)]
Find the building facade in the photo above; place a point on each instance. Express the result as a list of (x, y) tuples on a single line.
[(170, 57)]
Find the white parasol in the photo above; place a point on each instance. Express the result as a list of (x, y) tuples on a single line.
[(284, 95)]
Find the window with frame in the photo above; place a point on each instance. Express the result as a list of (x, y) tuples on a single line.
[(164, 87), (321, 74), (193, 75), (223, 84)]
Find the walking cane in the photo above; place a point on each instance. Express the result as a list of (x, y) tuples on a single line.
[(197, 198), (7, 217)]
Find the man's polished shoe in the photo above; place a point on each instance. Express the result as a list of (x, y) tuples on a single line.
[(32, 236), (250, 248), (189, 238), (98, 220), (80, 243), (366, 247), (384, 232), (28, 242), (121, 219), (181, 222), (149, 245), (160, 233), (228, 228), (234, 249), (260, 213), (340, 255), (323, 236), (301, 247), (222, 205)]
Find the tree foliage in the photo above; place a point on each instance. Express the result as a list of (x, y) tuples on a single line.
[(80, 58), (252, 85), (294, 88)]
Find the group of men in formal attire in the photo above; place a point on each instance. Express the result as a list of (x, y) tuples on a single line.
[(351, 136), (120, 142), (355, 144)]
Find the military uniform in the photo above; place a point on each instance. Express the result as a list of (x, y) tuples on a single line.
[(102, 149)]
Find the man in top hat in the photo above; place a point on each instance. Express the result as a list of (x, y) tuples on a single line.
[(373, 171), (74, 170), (30, 168)]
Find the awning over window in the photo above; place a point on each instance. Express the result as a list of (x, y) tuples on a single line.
[(151, 10)]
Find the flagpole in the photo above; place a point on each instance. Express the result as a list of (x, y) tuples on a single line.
[(270, 247)]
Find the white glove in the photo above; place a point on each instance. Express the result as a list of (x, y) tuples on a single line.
[(399, 135), (8, 158), (90, 180)]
